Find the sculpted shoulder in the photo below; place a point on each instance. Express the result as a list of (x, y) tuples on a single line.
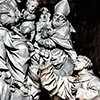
[(4, 33), (63, 30)]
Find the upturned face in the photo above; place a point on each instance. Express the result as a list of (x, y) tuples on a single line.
[(58, 20), (79, 64), (31, 6)]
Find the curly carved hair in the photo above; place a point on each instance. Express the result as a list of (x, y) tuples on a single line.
[(86, 60)]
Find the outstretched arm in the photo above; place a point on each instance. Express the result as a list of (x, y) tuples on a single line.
[(53, 84)]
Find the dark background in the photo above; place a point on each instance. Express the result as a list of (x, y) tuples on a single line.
[(85, 17)]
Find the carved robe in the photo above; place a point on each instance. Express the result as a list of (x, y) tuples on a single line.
[(15, 59), (88, 85), (9, 13), (55, 85), (59, 43)]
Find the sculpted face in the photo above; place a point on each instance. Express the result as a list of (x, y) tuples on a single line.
[(80, 63), (32, 6), (58, 20), (8, 20), (45, 16)]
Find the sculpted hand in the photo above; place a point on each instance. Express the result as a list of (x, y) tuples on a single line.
[(44, 53), (47, 59), (46, 56)]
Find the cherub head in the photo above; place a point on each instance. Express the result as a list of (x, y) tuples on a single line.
[(45, 14), (32, 6)]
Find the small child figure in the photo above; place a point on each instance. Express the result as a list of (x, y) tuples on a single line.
[(29, 17)]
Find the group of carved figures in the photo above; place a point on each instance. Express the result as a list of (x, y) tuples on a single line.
[(35, 55)]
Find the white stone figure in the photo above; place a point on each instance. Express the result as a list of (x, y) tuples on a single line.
[(44, 20), (82, 86), (62, 32), (31, 6), (29, 17), (86, 84), (15, 57), (32, 83), (9, 13), (54, 84), (28, 26), (27, 66), (58, 41), (4, 70), (16, 63), (42, 27)]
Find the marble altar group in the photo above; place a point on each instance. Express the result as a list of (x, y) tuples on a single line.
[(36, 54)]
